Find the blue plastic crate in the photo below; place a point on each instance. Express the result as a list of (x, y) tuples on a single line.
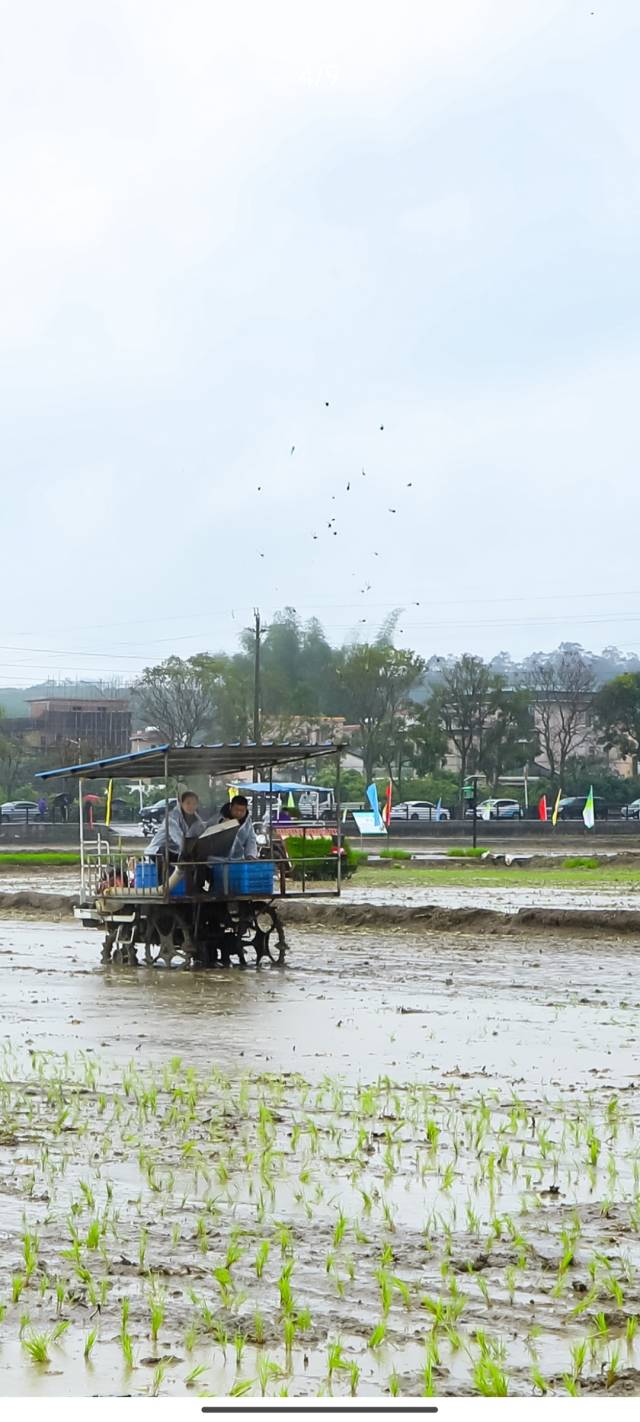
[(179, 890), (243, 876), (146, 876)]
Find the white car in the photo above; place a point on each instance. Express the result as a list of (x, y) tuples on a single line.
[(419, 810), (496, 810), (20, 811)]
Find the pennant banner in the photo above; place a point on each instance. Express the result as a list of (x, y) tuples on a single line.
[(554, 817), (372, 797)]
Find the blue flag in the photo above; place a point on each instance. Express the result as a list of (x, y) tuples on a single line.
[(372, 796)]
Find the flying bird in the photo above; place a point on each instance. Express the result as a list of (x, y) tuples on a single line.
[(393, 510), (382, 427), (410, 484), (292, 448), (364, 474), (348, 487), (326, 404)]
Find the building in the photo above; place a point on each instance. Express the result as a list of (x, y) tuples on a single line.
[(95, 726)]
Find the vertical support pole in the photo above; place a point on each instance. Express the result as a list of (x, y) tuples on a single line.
[(339, 818), (271, 812), (475, 811), (81, 842), (256, 687), (304, 857), (166, 825)]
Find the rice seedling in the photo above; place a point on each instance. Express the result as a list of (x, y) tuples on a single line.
[(156, 1313), (336, 1361), (631, 1329), (90, 1343), (196, 1373), (18, 1284), (488, 1379), (538, 1381), (377, 1336), (241, 1388), (258, 1327), (37, 1346), (159, 1375)]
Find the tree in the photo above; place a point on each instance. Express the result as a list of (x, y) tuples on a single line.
[(463, 704), (509, 738), (375, 683), (560, 689), (180, 697), (617, 710), (424, 743)]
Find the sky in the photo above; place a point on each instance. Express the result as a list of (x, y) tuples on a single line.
[(250, 251)]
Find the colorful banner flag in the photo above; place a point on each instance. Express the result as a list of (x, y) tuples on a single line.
[(542, 807), (372, 797), (589, 812), (107, 813), (291, 804), (233, 790), (554, 817), (388, 802)]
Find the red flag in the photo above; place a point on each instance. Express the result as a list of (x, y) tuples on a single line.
[(542, 807), (387, 804)]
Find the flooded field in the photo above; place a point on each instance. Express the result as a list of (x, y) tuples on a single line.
[(409, 1164), (508, 899)]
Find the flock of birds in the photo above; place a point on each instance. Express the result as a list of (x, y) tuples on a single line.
[(332, 529)]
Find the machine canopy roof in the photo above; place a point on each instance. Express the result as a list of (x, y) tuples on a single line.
[(183, 761)]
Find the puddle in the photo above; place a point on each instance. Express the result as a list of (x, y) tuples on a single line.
[(407, 1164)]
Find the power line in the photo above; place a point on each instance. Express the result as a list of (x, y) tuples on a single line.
[(473, 595)]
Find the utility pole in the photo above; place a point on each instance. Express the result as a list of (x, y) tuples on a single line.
[(258, 631)]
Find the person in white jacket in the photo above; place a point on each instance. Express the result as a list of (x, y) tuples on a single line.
[(184, 824)]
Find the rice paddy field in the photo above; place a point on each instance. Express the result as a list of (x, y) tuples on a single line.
[(408, 1165)]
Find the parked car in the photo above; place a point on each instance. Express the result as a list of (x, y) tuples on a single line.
[(419, 810), (153, 814), (493, 809), (19, 811), (632, 811), (572, 806)]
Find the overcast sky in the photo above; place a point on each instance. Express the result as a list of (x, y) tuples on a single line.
[(218, 217)]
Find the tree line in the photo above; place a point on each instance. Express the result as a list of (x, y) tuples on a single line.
[(406, 711)]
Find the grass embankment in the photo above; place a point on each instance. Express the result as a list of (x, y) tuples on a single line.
[(50, 858), (604, 877)]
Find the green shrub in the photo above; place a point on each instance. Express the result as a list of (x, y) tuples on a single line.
[(395, 854), (580, 862), (319, 863)]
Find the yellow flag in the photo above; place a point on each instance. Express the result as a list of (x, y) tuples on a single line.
[(233, 790), (107, 817), (554, 817)]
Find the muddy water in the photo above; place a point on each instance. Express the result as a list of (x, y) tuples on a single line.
[(442, 1111)]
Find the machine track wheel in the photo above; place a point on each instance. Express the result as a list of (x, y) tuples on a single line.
[(168, 942)]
